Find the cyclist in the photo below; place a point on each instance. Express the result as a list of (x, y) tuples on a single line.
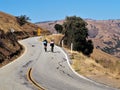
[(52, 45), (45, 45)]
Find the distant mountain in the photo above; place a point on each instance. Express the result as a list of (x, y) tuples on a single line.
[(104, 33), (49, 25), (43, 22)]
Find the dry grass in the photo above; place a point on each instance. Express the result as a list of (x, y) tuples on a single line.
[(109, 62), (100, 66), (8, 22), (84, 65), (56, 37)]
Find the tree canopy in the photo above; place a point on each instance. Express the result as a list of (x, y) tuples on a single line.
[(58, 28), (22, 19), (76, 32)]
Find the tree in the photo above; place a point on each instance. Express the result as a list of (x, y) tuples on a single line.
[(88, 48), (22, 19), (76, 32), (58, 28)]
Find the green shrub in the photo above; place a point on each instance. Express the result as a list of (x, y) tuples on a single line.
[(75, 32), (22, 19)]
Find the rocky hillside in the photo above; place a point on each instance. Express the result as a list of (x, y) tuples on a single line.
[(10, 32), (104, 33)]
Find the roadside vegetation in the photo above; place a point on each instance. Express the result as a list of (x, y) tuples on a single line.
[(75, 32), (22, 19), (100, 67)]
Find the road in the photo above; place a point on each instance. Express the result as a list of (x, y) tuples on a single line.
[(51, 70)]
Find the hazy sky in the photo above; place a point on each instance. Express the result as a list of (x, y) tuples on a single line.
[(46, 10)]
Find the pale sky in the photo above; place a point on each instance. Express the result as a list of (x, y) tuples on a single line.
[(47, 10)]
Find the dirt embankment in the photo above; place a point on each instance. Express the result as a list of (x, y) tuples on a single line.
[(9, 47), (10, 32)]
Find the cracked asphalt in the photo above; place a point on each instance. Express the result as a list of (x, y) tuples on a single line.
[(49, 69)]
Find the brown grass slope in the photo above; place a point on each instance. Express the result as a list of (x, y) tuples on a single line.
[(9, 46), (100, 67), (8, 22)]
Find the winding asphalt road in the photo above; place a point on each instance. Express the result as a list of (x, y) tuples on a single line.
[(50, 70)]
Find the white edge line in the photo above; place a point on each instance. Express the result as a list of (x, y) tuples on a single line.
[(66, 56)]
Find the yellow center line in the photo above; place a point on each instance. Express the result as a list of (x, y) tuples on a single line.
[(30, 79)]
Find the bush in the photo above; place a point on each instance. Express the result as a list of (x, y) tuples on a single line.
[(22, 19), (58, 28), (76, 32)]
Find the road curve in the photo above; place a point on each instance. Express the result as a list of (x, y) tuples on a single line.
[(13, 75), (53, 72), (50, 70)]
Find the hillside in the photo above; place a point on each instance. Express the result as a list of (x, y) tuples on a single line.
[(105, 34), (10, 33), (100, 67)]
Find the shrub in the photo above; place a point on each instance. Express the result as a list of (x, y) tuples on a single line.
[(76, 32), (22, 19)]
